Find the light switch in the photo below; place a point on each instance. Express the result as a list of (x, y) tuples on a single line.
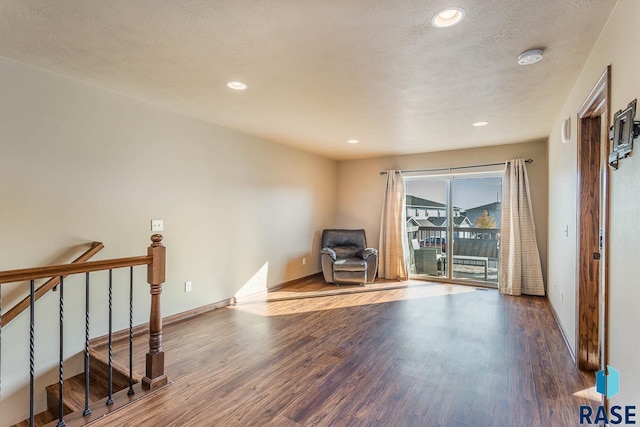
[(157, 225)]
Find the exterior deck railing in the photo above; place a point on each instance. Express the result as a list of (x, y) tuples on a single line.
[(473, 247)]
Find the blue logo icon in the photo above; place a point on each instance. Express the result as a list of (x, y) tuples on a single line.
[(608, 385)]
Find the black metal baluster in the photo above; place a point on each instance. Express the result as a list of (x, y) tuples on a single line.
[(87, 367), (110, 385), (130, 392), (61, 422), (31, 350)]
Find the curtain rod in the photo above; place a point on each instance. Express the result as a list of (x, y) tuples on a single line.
[(454, 168)]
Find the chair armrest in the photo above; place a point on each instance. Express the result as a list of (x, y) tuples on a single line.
[(328, 251), (366, 253)]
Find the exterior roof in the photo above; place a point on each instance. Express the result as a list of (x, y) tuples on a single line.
[(426, 203), (411, 221), (495, 206), (419, 201), (459, 221), (438, 222), (426, 222)]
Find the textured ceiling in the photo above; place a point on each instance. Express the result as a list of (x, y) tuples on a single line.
[(322, 72)]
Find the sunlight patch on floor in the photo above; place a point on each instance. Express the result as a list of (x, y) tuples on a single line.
[(295, 306)]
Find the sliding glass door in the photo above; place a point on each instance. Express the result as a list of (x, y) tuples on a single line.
[(453, 227), (427, 213)]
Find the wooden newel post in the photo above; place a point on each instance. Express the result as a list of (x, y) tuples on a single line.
[(155, 376)]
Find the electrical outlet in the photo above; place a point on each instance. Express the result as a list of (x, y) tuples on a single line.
[(157, 225), (304, 261), (187, 286)]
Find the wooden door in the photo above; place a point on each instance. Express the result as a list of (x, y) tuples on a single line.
[(588, 244), (593, 226)]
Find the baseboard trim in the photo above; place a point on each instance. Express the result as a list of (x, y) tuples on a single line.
[(260, 295), (280, 286), (179, 317), (169, 320), (562, 331)]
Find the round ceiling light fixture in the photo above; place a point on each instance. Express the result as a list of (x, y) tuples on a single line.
[(447, 17), (352, 141), (480, 124), (530, 57), (237, 85)]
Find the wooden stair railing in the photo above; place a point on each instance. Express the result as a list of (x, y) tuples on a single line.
[(155, 262), (50, 284)]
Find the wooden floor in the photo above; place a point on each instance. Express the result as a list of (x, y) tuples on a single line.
[(422, 355)]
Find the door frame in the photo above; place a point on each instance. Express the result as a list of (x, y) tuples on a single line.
[(593, 122)]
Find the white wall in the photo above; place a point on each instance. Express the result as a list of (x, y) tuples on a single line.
[(79, 164), (617, 46), (361, 187)]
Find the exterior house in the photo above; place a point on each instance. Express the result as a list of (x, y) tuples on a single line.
[(425, 208), (458, 222), (441, 225), (421, 230), (81, 163), (493, 210), (427, 220)]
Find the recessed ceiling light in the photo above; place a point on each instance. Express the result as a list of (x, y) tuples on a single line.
[(447, 17), (352, 141), (237, 85), (530, 57), (479, 124)]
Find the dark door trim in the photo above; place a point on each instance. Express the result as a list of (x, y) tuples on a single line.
[(593, 226)]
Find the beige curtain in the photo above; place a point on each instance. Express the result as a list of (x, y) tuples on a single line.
[(520, 271), (393, 264)]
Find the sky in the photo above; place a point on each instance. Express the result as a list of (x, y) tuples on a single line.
[(467, 192)]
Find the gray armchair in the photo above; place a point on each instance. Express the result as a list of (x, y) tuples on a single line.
[(346, 258)]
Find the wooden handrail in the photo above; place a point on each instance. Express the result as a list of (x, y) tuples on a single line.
[(14, 311), (21, 275), (155, 260)]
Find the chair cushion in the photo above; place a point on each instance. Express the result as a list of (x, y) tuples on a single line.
[(350, 264), (346, 251), (340, 237)]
